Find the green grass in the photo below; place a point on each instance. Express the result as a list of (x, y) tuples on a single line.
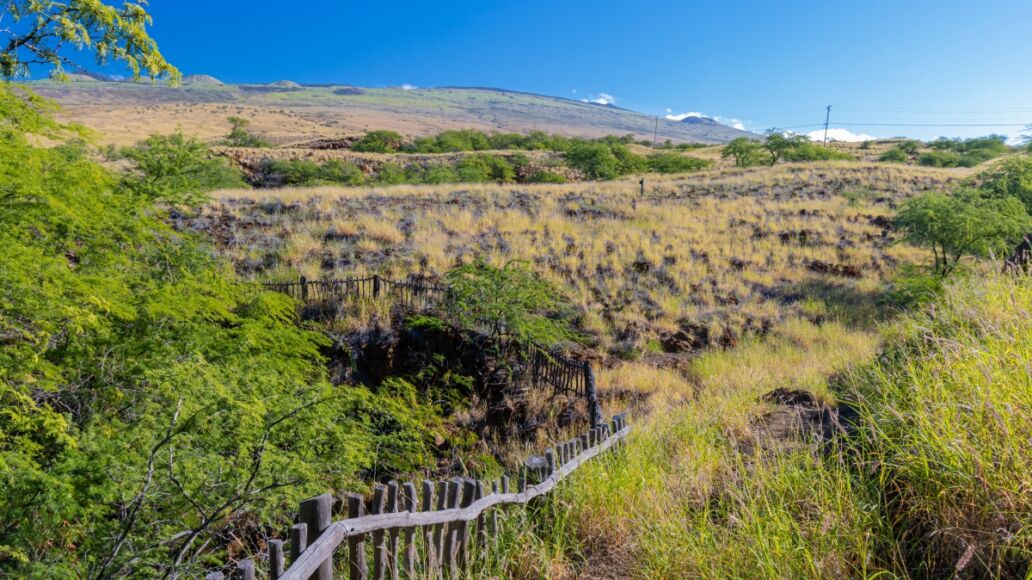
[(936, 481)]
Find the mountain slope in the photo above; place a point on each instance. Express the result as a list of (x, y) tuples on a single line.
[(126, 112)]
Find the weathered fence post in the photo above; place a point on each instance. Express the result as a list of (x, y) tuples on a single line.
[(303, 283), (298, 541), (376, 285), (392, 535), (315, 512), (481, 519), (468, 492), (356, 546), (594, 409), (245, 570), (409, 504), (451, 544), (275, 559), (428, 531), (379, 538)]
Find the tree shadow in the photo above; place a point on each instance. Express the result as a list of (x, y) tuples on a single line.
[(845, 302)]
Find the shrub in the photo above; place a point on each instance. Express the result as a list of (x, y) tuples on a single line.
[(779, 144), (148, 401), (939, 159), (746, 152), (674, 163), (484, 168), (511, 299), (379, 142), (1010, 178), (594, 160), (894, 155), (240, 136), (306, 172), (807, 151), (178, 169), (546, 177), (965, 223), (390, 174)]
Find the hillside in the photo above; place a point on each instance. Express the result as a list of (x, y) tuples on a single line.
[(124, 113)]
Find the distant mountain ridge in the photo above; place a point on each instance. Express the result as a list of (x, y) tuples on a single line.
[(286, 111)]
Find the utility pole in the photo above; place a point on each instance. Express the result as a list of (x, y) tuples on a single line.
[(827, 119), (655, 133)]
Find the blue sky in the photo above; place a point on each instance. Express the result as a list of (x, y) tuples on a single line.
[(760, 63)]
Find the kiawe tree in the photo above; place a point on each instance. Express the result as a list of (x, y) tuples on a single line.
[(41, 32)]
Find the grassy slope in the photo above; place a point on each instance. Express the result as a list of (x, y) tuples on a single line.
[(730, 249), (937, 480), (124, 113)]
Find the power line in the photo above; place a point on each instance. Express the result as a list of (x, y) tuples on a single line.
[(1001, 124)]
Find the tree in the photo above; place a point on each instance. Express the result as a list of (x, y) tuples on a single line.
[(241, 136), (964, 223), (779, 143), (178, 169), (746, 152), (594, 160), (1010, 178), (510, 300), (44, 29)]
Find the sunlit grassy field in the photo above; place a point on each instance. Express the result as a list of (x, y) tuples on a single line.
[(710, 258), (933, 480)]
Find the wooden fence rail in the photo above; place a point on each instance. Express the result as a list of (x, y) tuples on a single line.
[(454, 522), (543, 366)]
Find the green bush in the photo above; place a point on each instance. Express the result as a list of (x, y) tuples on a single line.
[(964, 223), (594, 160), (598, 160), (808, 151), (150, 404), (485, 168), (746, 152), (390, 174), (306, 172), (545, 177), (379, 142), (510, 300), (939, 159), (674, 163), (178, 169), (240, 136), (895, 155), (1010, 178)]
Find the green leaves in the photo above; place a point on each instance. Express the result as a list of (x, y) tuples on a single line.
[(177, 169), (148, 399), (964, 223), (508, 300), (111, 33)]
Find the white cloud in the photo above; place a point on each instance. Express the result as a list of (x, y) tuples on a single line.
[(839, 134), (682, 116), (408, 87), (730, 121), (736, 123), (601, 99)]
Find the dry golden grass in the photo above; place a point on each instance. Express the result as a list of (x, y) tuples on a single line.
[(733, 250)]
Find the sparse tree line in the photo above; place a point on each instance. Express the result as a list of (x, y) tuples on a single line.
[(944, 152), (777, 146), (600, 159)]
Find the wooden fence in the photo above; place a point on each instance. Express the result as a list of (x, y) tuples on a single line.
[(444, 531), (541, 366), (411, 295)]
